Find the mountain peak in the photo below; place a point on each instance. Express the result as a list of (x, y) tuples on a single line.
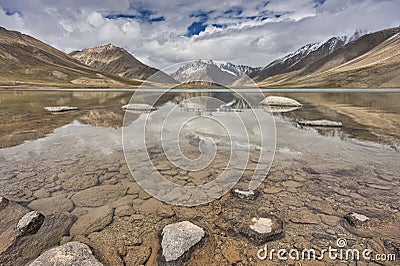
[(115, 60), (209, 70)]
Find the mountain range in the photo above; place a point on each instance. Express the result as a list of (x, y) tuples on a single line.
[(208, 70), (361, 60)]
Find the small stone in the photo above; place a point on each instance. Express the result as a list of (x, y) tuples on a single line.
[(72, 253), (245, 194), (357, 219), (30, 223), (179, 238), (263, 229), (3, 202)]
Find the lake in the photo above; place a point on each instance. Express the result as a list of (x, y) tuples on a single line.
[(73, 168)]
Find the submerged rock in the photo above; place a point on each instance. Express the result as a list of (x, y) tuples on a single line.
[(30, 223), (72, 253), (50, 205), (60, 109), (178, 239), (320, 123), (263, 229), (280, 101), (357, 219), (245, 194), (3, 202), (95, 220)]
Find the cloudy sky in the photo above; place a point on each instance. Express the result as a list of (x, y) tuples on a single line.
[(164, 32)]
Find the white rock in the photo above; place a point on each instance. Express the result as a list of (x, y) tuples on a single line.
[(59, 109), (178, 238), (72, 253), (139, 107), (261, 225), (280, 101), (320, 123)]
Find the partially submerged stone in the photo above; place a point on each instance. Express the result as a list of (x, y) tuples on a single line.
[(280, 101), (30, 223), (60, 109), (179, 239), (72, 253), (320, 123), (142, 107), (3, 202), (281, 109), (245, 194), (263, 229), (357, 219)]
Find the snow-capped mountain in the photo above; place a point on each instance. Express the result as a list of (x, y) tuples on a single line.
[(306, 55), (208, 70)]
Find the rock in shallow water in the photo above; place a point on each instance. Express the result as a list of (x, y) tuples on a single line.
[(95, 220), (178, 239), (280, 101), (320, 123), (50, 205), (3, 202), (357, 219), (72, 253), (30, 223), (138, 107), (245, 194), (263, 229)]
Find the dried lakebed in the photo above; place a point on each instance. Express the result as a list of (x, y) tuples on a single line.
[(92, 198)]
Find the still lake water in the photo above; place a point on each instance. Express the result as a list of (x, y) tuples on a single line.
[(74, 163)]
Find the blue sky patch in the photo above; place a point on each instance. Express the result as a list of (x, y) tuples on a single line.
[(195, 28)]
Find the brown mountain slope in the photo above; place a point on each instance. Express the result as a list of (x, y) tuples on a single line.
[(379, 67), (26, 61), (371, 61), (117, 61), (350, 51)]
